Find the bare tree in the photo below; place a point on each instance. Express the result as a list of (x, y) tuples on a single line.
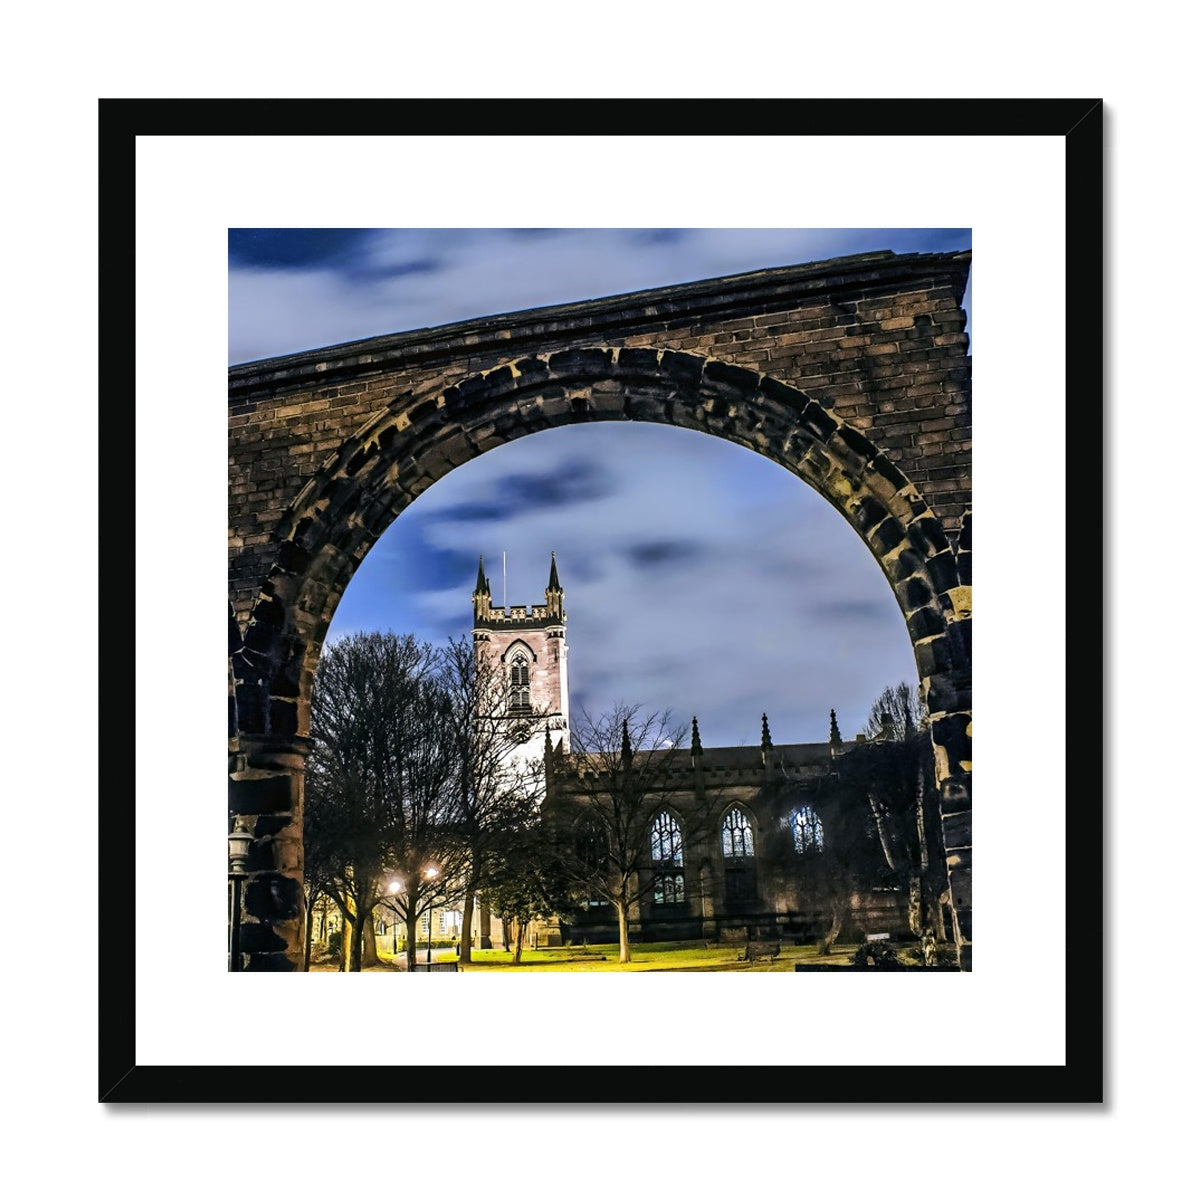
[(882, 821), (382, 794), (608, 793), (500, 788), (896, 713)]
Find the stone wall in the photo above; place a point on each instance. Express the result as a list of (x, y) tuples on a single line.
[(877, 339)]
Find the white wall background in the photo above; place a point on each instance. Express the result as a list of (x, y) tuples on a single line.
[(64, 1140)]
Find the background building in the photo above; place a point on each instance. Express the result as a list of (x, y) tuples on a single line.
[(734, 842)]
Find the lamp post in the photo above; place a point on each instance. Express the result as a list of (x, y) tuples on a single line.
[(395, 886), (431, 873), (240, 837)]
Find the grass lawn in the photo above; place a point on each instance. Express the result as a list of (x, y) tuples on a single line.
[(646, 956)]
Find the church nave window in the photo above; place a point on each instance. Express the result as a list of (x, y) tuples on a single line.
[(666, 841), (737, 848), (807, 832), (666, 851), (668, 889), (737, 838)]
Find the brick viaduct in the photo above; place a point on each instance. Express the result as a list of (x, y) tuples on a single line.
[(852, 373)]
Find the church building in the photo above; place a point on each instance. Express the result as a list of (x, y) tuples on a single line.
[(739, 842)]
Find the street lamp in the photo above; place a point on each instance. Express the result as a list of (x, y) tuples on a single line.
[(240, 837), (431, 873)]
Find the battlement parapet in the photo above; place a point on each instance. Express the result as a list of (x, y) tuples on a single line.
[(518, 616)]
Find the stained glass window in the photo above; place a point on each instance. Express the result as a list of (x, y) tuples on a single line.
[(807, 831), (666, 841), (668, 889), (737, 838)]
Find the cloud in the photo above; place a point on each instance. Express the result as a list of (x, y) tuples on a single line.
[(289, 293), (288, 249), (376, 273), (646, 555), (522, 493)]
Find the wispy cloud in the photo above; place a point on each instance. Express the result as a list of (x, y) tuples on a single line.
[(293, 290)]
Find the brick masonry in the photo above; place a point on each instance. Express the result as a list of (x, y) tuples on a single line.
[(851, 373)]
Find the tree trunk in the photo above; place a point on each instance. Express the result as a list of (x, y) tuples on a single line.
[(623, 928), (356, 940), (518, 943), (410, 938), (308, 931), (877, 813), (921, 840), (916, 906), (370, 950), (464, 946), (835, 928)]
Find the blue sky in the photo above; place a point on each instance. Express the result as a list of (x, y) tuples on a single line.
[(699, 577)]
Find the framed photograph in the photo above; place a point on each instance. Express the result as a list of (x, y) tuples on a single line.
[(727, 418)]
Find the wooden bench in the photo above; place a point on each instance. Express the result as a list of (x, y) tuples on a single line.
[(754, 951), (447, 964)]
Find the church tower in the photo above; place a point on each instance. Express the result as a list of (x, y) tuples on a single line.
[(528, 645)]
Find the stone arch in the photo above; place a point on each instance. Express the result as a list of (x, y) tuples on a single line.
[(364, 485), (423, 434)]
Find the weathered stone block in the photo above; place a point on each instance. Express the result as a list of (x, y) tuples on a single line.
[(886, 537), (273, 898), (683, 369), (263, 795), (950, 732), (925, 622), (583, 362), (956, 829), (634, 360), (284, 716), (257, 938)]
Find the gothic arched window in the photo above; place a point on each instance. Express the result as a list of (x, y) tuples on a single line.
[(666, 853), (737, 847), (518, 690), (737, 838), (807, 831), (666, 841)]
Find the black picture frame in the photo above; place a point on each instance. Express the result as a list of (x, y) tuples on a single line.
[(1080, 1078)]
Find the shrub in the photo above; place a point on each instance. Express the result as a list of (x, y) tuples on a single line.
[(876, 954)]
